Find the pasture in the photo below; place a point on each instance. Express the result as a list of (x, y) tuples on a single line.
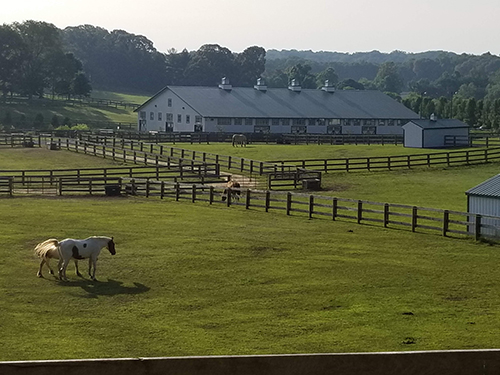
[(189, 279), (193, 279)]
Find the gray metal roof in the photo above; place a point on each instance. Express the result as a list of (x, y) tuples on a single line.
[(440, 124), (284, 103), (488, 188)]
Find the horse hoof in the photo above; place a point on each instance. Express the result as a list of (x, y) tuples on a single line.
[(51, 272), (39, 274)]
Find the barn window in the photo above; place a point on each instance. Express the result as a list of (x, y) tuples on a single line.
[(169, 102), (249, 121), (188, 119), (224, 121), (159, 116), (238, 121), (197, 119), (151, 115), (179, 118), (262, 121)]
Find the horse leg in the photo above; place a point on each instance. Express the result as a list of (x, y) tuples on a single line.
[(76, 267), (62, 270), (90, 267), (39, 273), (47, 262), (94, 262)]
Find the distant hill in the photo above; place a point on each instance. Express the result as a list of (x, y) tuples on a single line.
[(374, 57)]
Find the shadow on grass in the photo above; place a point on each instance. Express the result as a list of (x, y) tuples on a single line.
[(109, 288)]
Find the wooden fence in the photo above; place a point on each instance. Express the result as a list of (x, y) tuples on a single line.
[(421, 219), (451, 158), (90, 180), (341, 139), (117, 153)]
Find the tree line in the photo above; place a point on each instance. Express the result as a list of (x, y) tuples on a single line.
[(36, 58), (33, 61)]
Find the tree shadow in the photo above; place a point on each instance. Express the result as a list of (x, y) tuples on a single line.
[(109, 288)]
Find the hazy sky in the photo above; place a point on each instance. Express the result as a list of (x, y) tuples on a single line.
[(327, 25)]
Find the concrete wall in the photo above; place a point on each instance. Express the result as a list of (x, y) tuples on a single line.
[(484, 362)]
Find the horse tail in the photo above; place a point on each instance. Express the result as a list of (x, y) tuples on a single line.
[(48, 249)]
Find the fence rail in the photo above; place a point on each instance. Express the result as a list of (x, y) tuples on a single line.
[(422, 219), (450, 158), (341, 139)]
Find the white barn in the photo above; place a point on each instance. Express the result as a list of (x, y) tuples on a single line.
[(272, 110), (484, 199), (432, 133)]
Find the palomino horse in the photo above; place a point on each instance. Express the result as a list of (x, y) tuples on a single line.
[(69, 248), (239, 139), (233, 188)]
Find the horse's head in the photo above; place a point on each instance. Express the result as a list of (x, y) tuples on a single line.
[(111, 246)]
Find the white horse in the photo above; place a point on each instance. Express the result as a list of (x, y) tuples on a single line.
[(239, 139), (68, 249)]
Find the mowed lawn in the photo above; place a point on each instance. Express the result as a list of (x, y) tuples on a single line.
[(195, 279)]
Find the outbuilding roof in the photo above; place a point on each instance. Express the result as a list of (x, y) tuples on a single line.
[(488, 188), (439, 124), (284, 103)]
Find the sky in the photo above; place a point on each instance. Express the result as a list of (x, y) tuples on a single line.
[(319, 25)]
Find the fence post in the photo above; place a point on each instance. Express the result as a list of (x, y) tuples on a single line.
[(162, 190), (247, 201), (311, 206), (478, 227), (228, 199), (360, 211), (177, 191), (193, 195), (147, 188), (268, 200), (386, 215), (414, 216), (288, 203), (334, 208), (211, 195), (446, 222)]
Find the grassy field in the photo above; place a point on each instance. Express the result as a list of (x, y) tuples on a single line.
[(194, 279), (190, 279), (78, 113)]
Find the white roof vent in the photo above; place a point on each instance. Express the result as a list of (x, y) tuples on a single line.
[(328, 87), (294, 86), (433, 117), (225, 85), (261, 85)]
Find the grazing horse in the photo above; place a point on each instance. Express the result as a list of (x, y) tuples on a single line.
[(239, 139), (232, 187), (68, 249)]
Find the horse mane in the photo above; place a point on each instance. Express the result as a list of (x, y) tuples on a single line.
[(47, 249)]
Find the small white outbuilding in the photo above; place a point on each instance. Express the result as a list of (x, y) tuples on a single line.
[(484, 200), (433, 133)]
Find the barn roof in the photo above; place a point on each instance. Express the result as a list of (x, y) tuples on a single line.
[(284, 103), (488, 188), (439, 124)]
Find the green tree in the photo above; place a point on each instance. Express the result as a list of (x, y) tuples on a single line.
[(11, 50), (302, 74), (250, 64), (40, 42), (38, 122), (80, 85), (388, 78), (327, 75)]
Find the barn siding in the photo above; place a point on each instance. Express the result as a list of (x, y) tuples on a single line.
[(484, 206)]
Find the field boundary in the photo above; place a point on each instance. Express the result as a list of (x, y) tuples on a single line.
[(443, 362), (448, 158)]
